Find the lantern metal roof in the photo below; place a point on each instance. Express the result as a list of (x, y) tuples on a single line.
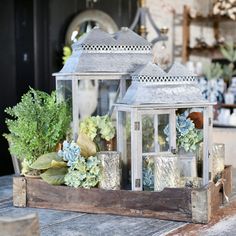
[(98, 51), (152, 85)]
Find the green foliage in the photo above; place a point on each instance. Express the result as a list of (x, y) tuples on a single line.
[(229, 52), (148, 172), (84, 173), (187, 136), (38, 122), (228, 71), (53, 166), (48, 160), (66, 53), (98, 128), (191, 140), (87, 146), (213, 71), (54, 176), (148, 132)]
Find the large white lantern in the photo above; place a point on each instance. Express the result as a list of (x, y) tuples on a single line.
[(98, 55), (161, 121)]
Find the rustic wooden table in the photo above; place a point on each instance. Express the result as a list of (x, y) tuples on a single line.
[(57, 223)]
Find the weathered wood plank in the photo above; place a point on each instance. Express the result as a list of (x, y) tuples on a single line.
[(19, 191), (27, 226), (217, 197), (179, 204), (227, 175), (201, 212), (174, 204)]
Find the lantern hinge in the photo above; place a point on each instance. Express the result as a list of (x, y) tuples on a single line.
[(173, 150), (136, 125), (209, 121), (137, 183)]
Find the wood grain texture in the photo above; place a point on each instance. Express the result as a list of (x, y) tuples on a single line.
[(26, 225), (174, 204), (227, 175), (201, 211), (19, 191), (179, 204), (217, 197)]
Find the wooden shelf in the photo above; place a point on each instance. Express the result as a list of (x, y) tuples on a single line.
[(231, 106), (217, 125), (209, 18), (187, 21)]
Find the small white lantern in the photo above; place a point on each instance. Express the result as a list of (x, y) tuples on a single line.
[(148, 109), (98, 55)]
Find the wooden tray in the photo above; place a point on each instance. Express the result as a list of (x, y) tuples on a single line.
[(179, 204)]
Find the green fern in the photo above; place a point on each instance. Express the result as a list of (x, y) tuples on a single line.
[(36, 124)]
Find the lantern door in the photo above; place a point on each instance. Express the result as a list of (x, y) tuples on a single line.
[(150, 141)]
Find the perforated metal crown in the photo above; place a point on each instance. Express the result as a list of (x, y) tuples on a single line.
[(151, 84)]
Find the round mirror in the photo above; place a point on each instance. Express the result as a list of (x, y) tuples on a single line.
[(85, 21)]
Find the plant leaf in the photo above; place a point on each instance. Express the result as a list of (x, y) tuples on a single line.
[(45, 161), (226, 53), (58, 164), (54, 176), (87, 146)]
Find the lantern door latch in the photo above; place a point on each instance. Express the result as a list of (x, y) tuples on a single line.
[(173, 150), (209, 121), (136, 125), (137, 183)]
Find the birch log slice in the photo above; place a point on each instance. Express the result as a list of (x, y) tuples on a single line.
[(111, 170)]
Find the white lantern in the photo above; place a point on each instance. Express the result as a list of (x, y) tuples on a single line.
[(98, 55), (149, 124)]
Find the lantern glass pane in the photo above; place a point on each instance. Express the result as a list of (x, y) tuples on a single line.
[(189, 141), (148, 133), (148, 172), (124, 145), (64, 91), (127, 138), (163, 139)]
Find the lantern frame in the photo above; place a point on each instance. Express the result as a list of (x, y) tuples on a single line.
[(131, 103), (98, 56)]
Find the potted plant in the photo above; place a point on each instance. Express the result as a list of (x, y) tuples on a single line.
[(36, 125)]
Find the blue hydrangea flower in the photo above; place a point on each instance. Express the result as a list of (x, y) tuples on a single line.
[(148, 178), (184, 125), (70, 152)]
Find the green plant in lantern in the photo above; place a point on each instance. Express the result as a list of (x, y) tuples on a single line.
[(98, 128)]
